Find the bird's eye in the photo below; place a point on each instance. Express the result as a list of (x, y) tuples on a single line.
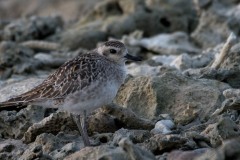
[(113, 51)]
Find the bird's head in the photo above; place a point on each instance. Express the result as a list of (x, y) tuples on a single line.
[(116, 51)]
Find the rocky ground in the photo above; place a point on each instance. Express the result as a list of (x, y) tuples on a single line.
[(180, 103)]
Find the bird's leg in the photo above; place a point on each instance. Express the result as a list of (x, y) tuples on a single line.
[(81, 124), (84, 122)]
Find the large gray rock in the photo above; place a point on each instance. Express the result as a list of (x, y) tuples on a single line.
[(184, 98)]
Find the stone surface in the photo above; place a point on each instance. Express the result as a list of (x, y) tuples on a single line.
[(218, 19), (186, 155), (159, 144), (15, 124), (175, 43), (69, 11), (136, 136), (184, 98), (163, 127), (220, 131), (125, 117), (126, 150), (147, 70), (15, 59), (32, 28), (173, 87), (228, 70), (81, 38), (184, 61), (11, 149), (228, 150), (17, 87), (49, 146)]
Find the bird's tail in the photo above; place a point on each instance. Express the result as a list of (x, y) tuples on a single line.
[(11, 105)]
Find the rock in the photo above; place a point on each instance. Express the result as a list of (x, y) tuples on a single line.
[(48, 60), (32, 28), (100, 11), (138, 16), (228, 71), (220, 131), (228, 150), (217, 20), (230, 93), (163, 127), (146, 70), (195, 139), (15, 124), (135, 152), (126, 118), (103, 138), (184, 61), (51, 124), (223, 75), (16, 57), (131, 7), (183, 98), (11, 149), (69, 11), (214, 28), (102, 123), (49, 146), (186, 155), (232, 101), (136, 136), (126, 150), (108, 7), (81, 38), (162, 59), (164, 143), (17, 87), (105, 120), (175, 43)]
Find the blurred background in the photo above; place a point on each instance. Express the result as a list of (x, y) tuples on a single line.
[(172, 33), (70, 10), (176, 81)]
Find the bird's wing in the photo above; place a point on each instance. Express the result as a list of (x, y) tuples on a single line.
[(71, 76)]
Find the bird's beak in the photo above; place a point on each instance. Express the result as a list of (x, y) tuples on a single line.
[(132, 58)]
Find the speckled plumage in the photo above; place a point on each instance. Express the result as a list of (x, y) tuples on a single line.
[(81, 84), (84, 79)]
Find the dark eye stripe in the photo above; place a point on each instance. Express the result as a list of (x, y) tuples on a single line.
[(113, 51)]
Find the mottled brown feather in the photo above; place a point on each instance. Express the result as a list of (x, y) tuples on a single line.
[(71, 76)]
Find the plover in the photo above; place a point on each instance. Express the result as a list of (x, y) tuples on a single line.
[(80, 85)]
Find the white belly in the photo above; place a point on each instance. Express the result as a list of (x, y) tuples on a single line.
[(91, 97)]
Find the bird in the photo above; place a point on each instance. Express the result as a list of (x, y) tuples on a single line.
[(80, 85)]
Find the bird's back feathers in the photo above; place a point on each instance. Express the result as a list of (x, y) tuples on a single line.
[(71, 76)]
